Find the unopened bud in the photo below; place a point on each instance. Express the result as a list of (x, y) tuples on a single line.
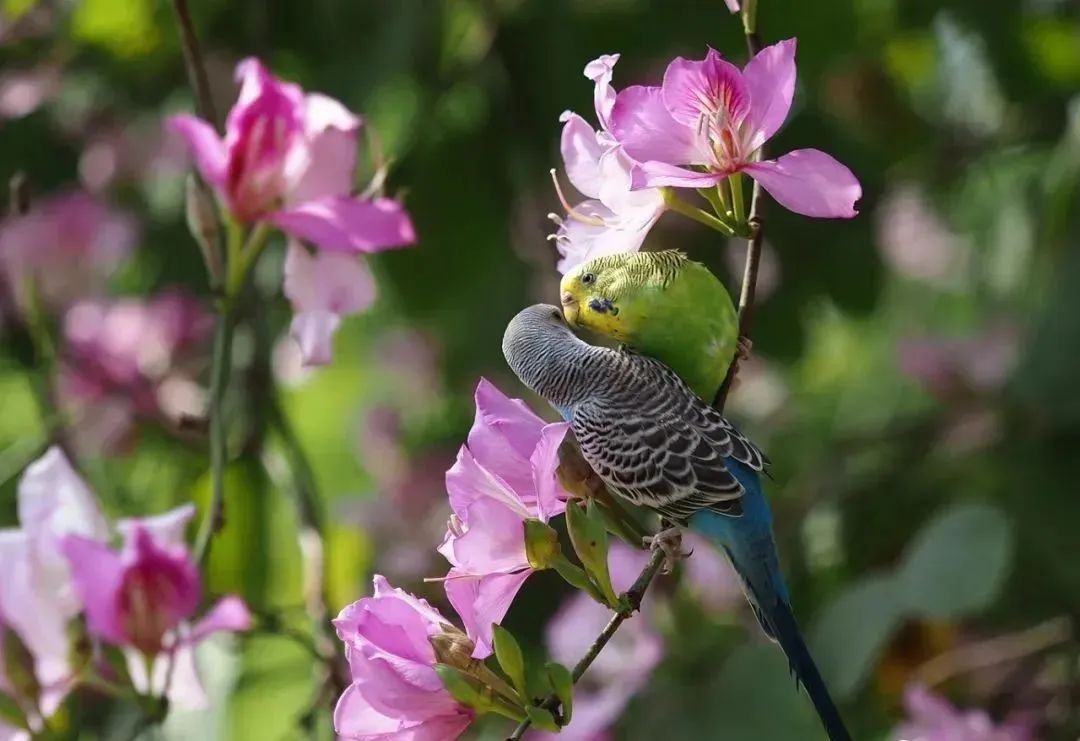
[(542, 547), (453, 648), (202, 221)]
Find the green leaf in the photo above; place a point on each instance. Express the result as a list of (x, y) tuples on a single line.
[(577, 578), (563, 682), (853, 630), (461, 689), (508, 652), (10, 712), (589, 537), (958, 563), (542, 719)]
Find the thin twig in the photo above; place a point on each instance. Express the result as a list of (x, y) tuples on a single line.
[(193, 61), (753, 244), (746, 318), (633, 597)]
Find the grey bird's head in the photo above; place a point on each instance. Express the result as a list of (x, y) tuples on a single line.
[(539, 347)]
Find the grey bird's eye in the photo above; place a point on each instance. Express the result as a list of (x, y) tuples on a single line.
[(588, 279), (556, 314)]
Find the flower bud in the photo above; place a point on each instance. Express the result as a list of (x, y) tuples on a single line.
[(202, 221)]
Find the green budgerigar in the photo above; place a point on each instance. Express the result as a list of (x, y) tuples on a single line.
[(661, 304)]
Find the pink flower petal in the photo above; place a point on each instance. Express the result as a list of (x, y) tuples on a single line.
[(167, 529), (770, 80), (643, 126), (205, 146), (600, 71), (732, 5), (482, 602), (356, 719), (392, 621), (503, 436), (326, 166), (655, 174), (323, 287), (809, 182), (98, 575), (230, 615), (493, 542), (35, 611), (346, 224), (550, 496), (712, 88), (467, 481), (581, 151), (580, 242)]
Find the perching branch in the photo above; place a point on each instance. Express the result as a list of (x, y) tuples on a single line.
[(633, 597), (636, 593)]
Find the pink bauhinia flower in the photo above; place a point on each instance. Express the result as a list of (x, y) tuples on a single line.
[(504, 475), (614, 219), (708, 120), (288, 158), (932, 718), (322, 287), (36, 594), (624, 666), (42, 588), (66, 247), (395, 694), (123, 360)]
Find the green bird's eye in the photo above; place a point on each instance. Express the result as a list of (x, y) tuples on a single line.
[(588, 279)]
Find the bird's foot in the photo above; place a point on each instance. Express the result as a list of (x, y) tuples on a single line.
[(670, 542)]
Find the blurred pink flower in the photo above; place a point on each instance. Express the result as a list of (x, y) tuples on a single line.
[(136, 597), (23, 91), (395, 693), (624, 666), (916, 243), (932, 718), (733, 5), (67, 245), (41, 591), (613, 219), (323, 287), (503, 476), (127, 359), (37, 598), (711, 116), (945, 367), (288, 158)]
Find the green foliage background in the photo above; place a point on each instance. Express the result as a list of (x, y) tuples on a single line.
[(893, 536)]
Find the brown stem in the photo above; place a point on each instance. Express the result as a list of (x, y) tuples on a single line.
[(753, 257), (633, 597), (193, 61)]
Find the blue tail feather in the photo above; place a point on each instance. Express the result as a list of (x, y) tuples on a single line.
[(749, 545)]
